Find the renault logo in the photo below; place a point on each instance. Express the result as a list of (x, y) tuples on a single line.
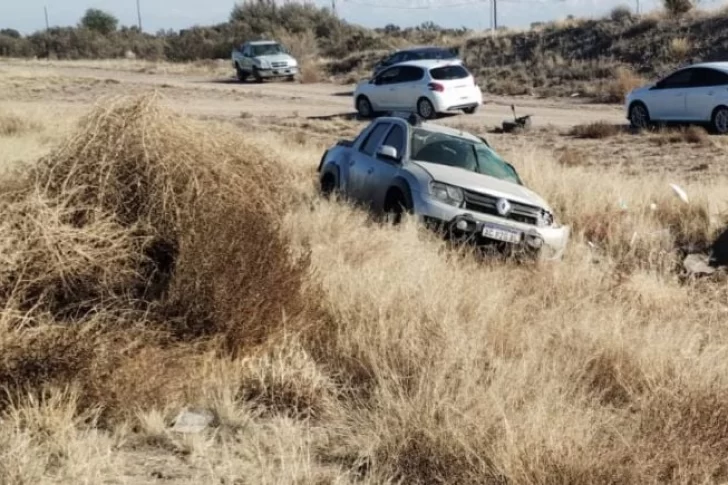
[(503, 207)]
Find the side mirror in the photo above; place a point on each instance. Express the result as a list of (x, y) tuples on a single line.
[(388, 152)]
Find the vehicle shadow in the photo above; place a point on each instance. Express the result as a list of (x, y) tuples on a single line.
[(344, 94)]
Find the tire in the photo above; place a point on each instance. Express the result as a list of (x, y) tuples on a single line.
[(256, 75), (364, 107), (328, 185), (395, 206), (425, 109), (719, 121), (291, 79), (470, 111), (639, 116), (242, 76)]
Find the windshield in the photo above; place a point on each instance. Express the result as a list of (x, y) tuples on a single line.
[(267, 49), (454, 151)]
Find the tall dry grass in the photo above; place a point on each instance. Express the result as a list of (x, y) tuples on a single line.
[(386, 357)]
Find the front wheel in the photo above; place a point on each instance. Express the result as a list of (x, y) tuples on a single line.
[(395, 207), (719, 121), (364, 107), (470, 111), (256, 75), (639, 117), (425, 108), (242, 76)]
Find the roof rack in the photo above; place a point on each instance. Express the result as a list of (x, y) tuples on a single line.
[(410, 116)]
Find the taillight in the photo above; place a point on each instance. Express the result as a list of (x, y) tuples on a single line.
[(436, 87)]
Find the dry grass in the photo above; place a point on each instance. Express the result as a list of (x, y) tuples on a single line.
[(334, 350), (597, 130), (692, 134), (14, 125), (680, 47), (625, 80)]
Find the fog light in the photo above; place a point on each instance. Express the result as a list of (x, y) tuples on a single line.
[(534, 241), (462, 225)]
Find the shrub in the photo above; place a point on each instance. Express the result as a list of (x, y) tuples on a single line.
[(678, 7), (99, 21), (597, 130), (621, 13)]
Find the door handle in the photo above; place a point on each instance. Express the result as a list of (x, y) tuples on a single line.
[(352, 162), (710, 93), (370, 170)]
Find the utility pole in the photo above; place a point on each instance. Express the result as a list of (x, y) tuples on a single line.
[(333, 7), (139, 15), (495, 15), (638, 7), (45, 9)]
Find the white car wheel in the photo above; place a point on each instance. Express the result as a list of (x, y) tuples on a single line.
[(638, 116), (720, 120), (425, 108), (364, 107)]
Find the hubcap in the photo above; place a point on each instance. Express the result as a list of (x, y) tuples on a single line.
[(721, 121), (639, 116), (425, 109)]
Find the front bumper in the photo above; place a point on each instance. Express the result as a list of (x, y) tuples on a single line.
[(548, 243), (278, 71)]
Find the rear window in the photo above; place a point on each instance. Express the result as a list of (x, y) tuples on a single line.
[(435, 54), (446, 73)]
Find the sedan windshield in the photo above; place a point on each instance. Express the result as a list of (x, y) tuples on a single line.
[(455, 151)]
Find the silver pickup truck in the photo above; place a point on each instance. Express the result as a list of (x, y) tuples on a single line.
[(263, 59), (448, 179)]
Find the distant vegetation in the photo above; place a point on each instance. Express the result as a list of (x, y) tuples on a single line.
[(596, 58)]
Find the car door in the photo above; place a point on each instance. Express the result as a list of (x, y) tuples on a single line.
[(361, 163), (666, 101), (246, 61), (707, 85), (384, 170), (384, 88), (408, 88)]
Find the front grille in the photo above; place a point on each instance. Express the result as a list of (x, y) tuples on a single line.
[(486, 204), (279, 64)]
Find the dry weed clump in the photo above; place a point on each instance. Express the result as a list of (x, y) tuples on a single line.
[(692, 134), (596, 130), (13, 125), (625, 80), (142, 217)]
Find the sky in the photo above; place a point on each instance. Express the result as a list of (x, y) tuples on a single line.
[(28, 16)]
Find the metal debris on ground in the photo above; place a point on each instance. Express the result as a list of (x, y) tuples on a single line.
[(698, 264), (193, 421), (520, 123)]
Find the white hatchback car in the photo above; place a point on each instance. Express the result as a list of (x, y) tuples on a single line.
[(428, 87), (694, 94)]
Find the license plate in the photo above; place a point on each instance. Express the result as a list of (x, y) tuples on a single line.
[(500, 233)]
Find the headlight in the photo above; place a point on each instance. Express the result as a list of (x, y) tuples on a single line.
[(446, 193), (545, 219)]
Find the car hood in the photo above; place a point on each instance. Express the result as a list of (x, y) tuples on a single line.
[(275, 58), (484, 184)]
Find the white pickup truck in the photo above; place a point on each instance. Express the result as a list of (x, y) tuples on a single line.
[(263, 59)]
